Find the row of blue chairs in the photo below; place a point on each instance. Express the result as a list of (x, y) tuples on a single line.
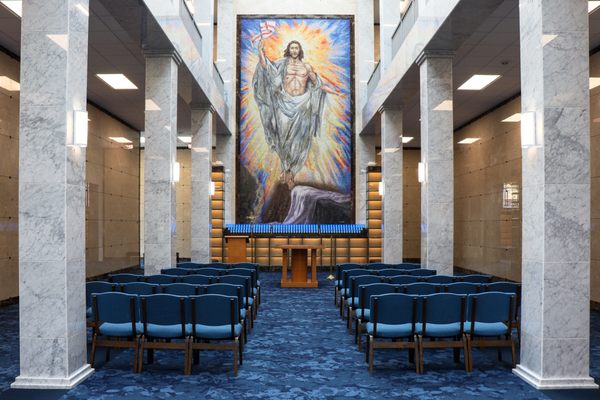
[(166, 321), (441, 320), (363, 287)]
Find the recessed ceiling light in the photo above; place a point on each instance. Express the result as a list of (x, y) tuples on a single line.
[(142, 140), (478, 82), (185, 139), (513, 118), (445, 105), (8, 84), (468, 140), (406, 139), (594, 82), (117, 81), (120, 139), (16, 6), (592, 5)]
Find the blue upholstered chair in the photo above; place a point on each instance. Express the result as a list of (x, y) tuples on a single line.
[(197, 279), (345, 287), (95, 287), (176, 271), (247, 298), (362, 314), (514, 288), (403, 279), (180, 289), (188, 265), (377, 266), (352, 301), (475, 278), (407, 266), (124, 278), (215, 317), (390, 272), (443, 318), (160, 279), (116, 317), (256, 268), (445, 279), (164, 326), (339, 269), (209, 271), (421, 272), (490, 323), (392, 317), (231, 290), (253, 275)]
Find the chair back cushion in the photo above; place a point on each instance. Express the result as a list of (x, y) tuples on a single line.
[(360, 280), (175, 271), (214, 309), (393, 308), (439, 279), (421, 288), (142, 288), (421, 272), (403, 279), (163, 309), (197, 279), (491, 307), (160, 279), (476, 278), (179, 289), (115, 307), (124, 278), (463, 288), (96, 287), (444, 308)]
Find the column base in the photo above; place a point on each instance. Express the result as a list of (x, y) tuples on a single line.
[(553, 383), (26, 382)]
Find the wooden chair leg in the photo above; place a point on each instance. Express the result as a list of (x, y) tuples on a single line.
[(235, 357), (513, 352), (356, 332), (93, 355), (419, 362), (138, 345), (466, 354), (371, 351), (367, 345), (470, 349), (349, 319)]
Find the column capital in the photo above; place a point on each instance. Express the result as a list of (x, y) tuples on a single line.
[(159, 53), (389, 107), (202, 107), (426, 54)]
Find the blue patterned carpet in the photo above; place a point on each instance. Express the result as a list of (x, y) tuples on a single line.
[(299, 349)]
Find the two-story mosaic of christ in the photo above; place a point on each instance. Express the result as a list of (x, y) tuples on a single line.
[(295, 125)]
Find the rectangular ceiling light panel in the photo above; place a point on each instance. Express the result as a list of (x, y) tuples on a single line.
[(478, 82), (117, 81)]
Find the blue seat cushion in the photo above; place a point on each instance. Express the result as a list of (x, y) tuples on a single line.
[(243, 312), (338, 283), (167, 331), (442, 330), (250, 301), (487, 328), (258, 282), (254, 291), (358, 313), (119, 330), (217, 332), (88, 313), (392, 331), (349, 301)]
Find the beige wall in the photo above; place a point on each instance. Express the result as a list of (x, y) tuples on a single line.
[(9, 190), (488, 236), (411, 210), (112, 212), (112, 232)]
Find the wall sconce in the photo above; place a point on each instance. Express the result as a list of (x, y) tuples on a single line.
[(381, 188), (176, 173), (421, 172), (528, 134), (80, 128), (212, 188)]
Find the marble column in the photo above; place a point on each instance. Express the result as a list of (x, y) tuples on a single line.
[(555, 342), (226, 60), (391, 160), (389, 17), (204, 15), (364, 144), (159, 162), (52, 331), (202, 135), (437, 134)]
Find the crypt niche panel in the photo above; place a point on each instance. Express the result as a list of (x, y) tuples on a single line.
[(295, 141)]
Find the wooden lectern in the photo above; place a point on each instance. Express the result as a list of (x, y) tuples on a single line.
[(299, 266), (236, 248)]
